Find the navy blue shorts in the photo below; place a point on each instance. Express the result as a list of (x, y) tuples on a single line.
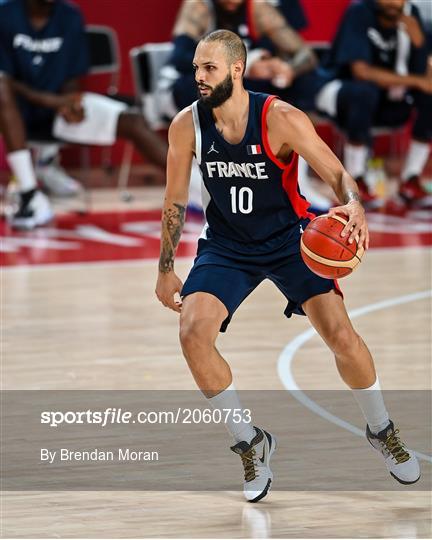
[(231, 276)]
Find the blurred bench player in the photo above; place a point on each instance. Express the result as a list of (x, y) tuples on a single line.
[(43, 52), (377, 71)]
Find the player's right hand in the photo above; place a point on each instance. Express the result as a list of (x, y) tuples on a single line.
[(168, 284)]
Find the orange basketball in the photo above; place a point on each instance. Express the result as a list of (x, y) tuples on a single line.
[(325, 251)]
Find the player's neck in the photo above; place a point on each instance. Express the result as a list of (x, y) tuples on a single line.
[(234, 109)]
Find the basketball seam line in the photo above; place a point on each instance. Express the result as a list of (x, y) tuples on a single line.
[(338, 242), (328, 263), (328, 258), (351, 270)]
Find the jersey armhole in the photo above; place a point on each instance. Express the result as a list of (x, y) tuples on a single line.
[(264, 132), (197, 128)]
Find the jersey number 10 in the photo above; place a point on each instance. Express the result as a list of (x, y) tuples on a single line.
[(241, 200)]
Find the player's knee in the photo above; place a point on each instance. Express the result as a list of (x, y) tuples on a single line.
[(343, 341), (194, 336)]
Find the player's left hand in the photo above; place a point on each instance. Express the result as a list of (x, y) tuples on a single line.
[(357, 225)]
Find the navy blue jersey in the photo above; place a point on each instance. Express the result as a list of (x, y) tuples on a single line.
[(251, 199), (361, 38), (43, 59)]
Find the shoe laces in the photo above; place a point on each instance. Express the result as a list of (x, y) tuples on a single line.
[(249, 464), (395, 447)]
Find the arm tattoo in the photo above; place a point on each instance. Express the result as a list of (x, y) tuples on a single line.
[(193, 20), (351, 195), (270, 22), (172, 225), (196, 21), (289, 44)]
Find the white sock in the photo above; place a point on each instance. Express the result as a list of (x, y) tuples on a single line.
[(416, 159), (371, 403), (355, 158), (22, 168), (229, 399)]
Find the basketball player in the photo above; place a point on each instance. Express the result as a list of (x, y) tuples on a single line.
[(43, 53), (247, 146), (279, 61)]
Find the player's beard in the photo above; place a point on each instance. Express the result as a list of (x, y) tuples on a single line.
[(220, 93)]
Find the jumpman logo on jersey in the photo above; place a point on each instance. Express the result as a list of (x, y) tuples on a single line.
[(301, 229), (213, 149)]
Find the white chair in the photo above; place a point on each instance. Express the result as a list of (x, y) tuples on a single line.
[(147, 62)]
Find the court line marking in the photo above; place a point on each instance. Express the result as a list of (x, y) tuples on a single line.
[(286, 358)]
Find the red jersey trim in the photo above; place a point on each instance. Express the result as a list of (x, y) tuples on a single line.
[(289, 170), (250, 20), (290, 185), (264, 134)]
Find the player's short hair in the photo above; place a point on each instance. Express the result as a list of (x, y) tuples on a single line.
[(234, 46)]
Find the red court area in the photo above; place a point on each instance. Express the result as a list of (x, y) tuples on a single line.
[(134, 235)]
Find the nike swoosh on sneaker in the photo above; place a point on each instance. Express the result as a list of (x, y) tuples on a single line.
[(262, 459)]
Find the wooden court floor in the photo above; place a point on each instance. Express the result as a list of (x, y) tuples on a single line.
[(99, 327)]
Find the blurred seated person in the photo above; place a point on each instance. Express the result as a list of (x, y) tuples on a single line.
[(377, 73), (43, 52), (279, 62)]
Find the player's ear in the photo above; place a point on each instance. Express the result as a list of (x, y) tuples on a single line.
[(238, 69)]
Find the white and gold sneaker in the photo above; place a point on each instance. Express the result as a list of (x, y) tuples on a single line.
[(401, 462), (255, 458)]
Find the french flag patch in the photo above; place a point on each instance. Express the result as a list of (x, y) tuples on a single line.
[(253, 149)]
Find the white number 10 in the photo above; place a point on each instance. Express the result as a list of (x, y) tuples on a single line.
[(245, 197)]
